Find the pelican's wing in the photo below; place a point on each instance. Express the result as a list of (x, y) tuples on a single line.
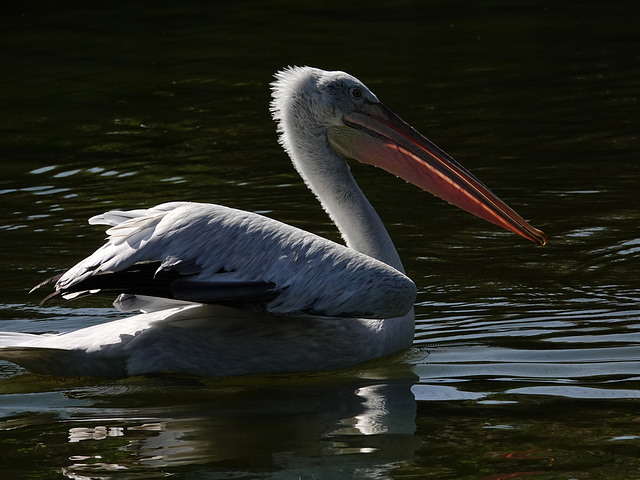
[(208, 253)]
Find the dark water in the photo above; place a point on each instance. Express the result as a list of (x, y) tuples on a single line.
[(526, 361)]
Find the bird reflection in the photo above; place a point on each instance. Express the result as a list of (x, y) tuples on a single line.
[(332, 430)]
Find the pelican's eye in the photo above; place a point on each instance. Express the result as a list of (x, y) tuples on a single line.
[(356, 93)]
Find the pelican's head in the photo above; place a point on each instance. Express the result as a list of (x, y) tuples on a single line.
[(315, 98), (338, 109)]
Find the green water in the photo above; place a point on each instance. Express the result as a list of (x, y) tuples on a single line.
[(526, 361)]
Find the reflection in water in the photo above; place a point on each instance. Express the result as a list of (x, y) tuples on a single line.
[(287, 425)]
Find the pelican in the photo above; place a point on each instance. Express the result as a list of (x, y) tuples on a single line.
[(227, 292)]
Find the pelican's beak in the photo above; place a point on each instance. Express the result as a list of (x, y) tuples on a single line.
[(377, 136)]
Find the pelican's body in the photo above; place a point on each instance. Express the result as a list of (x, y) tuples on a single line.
[(227, 292)]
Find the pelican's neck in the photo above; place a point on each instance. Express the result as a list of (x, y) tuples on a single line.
[(329, 177), (303, 116)]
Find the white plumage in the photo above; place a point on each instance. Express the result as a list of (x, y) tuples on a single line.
[(203, 240), (227, 292)]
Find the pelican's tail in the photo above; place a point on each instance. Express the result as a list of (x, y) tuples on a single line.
[(58, 361)]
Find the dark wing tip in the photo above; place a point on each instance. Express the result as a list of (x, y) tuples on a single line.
[(49, 297), (53, 279)]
